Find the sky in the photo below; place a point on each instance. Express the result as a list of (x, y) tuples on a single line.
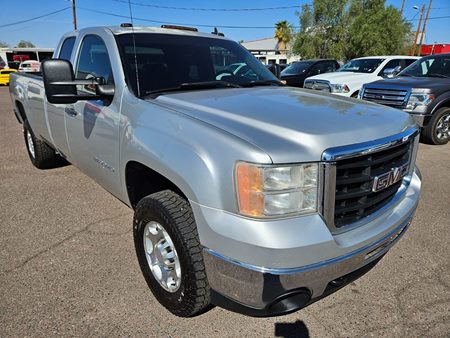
[(46, 31)]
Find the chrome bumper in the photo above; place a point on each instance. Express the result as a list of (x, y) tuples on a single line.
[(260, 291), (419, 119)]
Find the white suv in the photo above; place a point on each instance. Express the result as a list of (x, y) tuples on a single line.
[(348, 80)]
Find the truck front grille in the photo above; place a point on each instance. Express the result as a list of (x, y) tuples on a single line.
[(388, 97), (318, 85), (355, 196)]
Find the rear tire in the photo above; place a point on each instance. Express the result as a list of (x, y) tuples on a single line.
[(41, 154), (170, 254), (438, 129)]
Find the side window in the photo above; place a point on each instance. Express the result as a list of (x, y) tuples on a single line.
[(328, 67), (317, 69), (392, 64), (93, 61), (409, 62), (66, 49)]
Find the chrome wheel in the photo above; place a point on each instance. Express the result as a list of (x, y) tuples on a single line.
[(162, 257), (443, 127), (30, 144)]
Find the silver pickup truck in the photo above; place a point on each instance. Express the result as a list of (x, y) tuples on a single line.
[(248, 194)]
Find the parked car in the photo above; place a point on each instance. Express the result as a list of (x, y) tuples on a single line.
[(295, 74), (247, 194), (423, 90), (4, 75), (30, 66), (348, 80)]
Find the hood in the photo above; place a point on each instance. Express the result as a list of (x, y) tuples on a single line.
[(434, 84), (341, 77), (289, 124)]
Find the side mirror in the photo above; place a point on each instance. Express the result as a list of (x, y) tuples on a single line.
[(61, 86), (391, 72)]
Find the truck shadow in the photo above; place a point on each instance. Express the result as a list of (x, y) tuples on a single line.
[(297, 329)]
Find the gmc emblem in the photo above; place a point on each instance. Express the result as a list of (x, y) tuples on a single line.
[(391, 177)]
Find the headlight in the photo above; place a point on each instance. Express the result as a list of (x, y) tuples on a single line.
[(339, 88), (417, 101), (268, 191)]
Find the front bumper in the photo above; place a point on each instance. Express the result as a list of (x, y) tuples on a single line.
[(418, 118), (258, 292), (324, 266)]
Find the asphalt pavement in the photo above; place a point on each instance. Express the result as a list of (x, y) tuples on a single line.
[(68, 267)]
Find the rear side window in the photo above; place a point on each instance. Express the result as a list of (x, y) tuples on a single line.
[(66, 49)]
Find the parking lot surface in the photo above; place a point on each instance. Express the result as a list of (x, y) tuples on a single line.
[(68, 267)]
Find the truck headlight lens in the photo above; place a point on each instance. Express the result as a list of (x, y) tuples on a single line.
[(339, 88), (268, 191), (419, 100)]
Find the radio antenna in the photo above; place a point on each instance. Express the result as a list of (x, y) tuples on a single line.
[(134, 50)]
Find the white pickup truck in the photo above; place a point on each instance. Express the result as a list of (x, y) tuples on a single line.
[(349, 79), (248, 194)]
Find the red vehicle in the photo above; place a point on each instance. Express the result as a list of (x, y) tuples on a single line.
[(437, 48)]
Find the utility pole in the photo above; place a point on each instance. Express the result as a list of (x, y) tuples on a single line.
[(413, 48), (403, 6), (74, 11), (424, 26)]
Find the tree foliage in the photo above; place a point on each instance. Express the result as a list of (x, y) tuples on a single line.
[(283, 33), (25, 44), (3, 44), (344, 29)]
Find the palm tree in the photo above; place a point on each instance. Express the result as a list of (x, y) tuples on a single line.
[(283, 33)]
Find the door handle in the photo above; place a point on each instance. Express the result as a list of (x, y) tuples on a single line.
[(70, 110)]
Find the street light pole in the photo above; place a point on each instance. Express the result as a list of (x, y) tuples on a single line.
[(74, 12), (413, 48), (403, 6), (424, 26)]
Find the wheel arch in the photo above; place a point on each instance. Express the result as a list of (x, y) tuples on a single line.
[(20, 111), (141, 180)]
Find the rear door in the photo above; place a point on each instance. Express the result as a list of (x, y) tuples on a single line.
[(55, 113), (93, 125)]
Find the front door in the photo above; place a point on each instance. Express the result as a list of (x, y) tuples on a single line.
[(93, 125)]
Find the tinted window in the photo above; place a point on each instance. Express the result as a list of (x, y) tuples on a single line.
[(328, 66), (66, 49), (361, 65), (167, 61), (94, 61), (409, 62), (297, 68), (436, 66)]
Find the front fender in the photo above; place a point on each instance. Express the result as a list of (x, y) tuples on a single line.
[(197, 157)]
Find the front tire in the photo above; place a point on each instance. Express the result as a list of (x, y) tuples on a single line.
[(170, 254), (438, 129)]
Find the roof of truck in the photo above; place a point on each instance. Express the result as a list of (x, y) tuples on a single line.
[(160, 30)]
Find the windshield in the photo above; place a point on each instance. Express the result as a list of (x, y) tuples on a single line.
[(361, 65), (167, 61), (297, 68), (437, 66)]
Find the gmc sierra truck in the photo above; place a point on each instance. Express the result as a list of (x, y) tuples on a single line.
[(422, 90), (248, 194)]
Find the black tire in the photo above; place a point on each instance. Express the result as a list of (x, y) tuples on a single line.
[(432, 133), (44, 156), (174, 214)]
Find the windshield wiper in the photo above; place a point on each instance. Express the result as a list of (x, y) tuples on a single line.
[(263, 83), (437, 75), (192, 86)]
